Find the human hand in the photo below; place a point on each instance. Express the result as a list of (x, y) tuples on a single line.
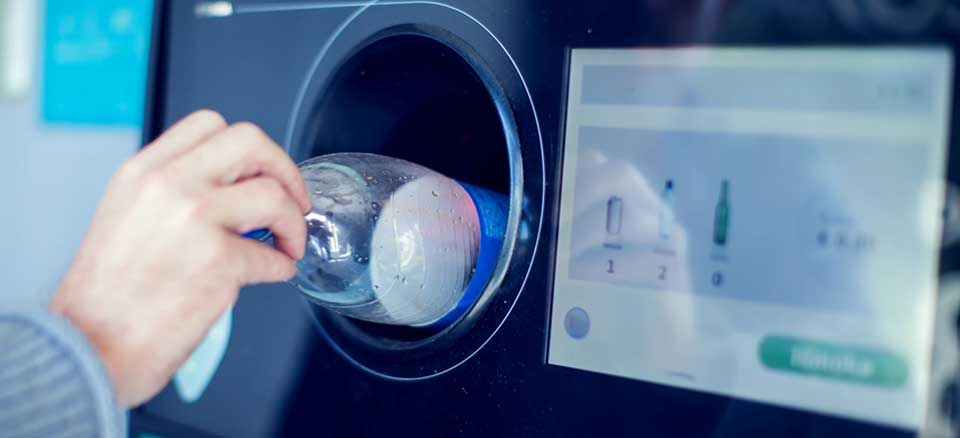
[(163, 257)]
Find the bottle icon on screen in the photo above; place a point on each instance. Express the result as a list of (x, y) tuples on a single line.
[(721, 217), (614, 222), (666, 210)]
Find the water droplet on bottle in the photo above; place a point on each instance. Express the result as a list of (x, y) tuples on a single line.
[(434, 193), (375, 206), (460, 218), (396, 277), (403, 280), (421, 285), (376, 286), (375, 217)]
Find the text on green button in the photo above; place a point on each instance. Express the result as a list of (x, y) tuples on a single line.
[(833, 361)]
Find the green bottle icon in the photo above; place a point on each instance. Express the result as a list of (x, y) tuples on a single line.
[(721, 217)]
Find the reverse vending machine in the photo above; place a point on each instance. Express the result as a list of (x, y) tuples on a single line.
[(722, 218)]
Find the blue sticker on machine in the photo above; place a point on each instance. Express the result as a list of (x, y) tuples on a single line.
[(196, 373), (94, 61)]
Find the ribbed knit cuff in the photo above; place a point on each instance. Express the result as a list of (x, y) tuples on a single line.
[(52, 382)]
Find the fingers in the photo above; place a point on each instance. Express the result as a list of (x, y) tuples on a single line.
[(258, 263), (183, 136), (261, 203), (243, 151)]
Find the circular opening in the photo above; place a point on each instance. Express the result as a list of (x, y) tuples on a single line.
[(413, 97)]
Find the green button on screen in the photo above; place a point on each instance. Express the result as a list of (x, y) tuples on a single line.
[(833, 361)]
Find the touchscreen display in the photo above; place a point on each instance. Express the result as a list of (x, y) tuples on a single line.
[(759, 223)]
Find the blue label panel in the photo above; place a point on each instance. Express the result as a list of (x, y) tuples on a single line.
[(94, 61)]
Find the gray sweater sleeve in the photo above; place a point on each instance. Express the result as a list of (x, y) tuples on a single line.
[(52, 383)]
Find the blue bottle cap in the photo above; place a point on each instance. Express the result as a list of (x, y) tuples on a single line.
[(261, 234)]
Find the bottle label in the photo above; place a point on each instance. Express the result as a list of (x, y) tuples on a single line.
[(492, 211)]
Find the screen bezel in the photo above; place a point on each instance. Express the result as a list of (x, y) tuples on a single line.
[(754, 410)]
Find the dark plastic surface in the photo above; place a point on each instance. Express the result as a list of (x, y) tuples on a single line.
[(281, 377)]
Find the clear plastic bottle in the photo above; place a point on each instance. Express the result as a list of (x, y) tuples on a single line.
[(393, 242), (666, 210)]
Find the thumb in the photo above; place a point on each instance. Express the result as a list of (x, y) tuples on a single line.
[(259, 263)]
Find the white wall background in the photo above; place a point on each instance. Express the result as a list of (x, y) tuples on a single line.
[(51, 180)]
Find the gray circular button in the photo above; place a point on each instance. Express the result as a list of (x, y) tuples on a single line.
[(577, 323)]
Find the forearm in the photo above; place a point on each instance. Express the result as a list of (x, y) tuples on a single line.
[(51, 380)]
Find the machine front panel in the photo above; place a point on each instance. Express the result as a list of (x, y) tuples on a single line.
[(726, 218)]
